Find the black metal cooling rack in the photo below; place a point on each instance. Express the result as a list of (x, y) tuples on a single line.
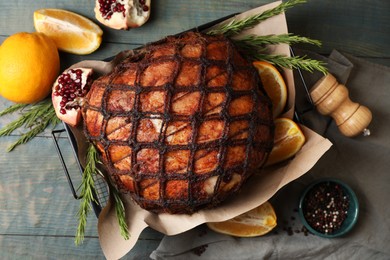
[(101, 194)]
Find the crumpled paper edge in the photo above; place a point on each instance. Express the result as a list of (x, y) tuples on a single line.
[(268, 182)]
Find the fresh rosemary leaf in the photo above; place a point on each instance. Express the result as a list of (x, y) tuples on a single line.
[(38, 112), (8, 129), (120, 214), (36, 117), (87, 190), (29, 135), (294, 62), (260, 41), (12, 109), (234, 27)]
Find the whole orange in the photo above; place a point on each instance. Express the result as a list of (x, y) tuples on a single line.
[(29, 65)]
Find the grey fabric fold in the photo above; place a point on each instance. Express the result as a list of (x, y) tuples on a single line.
[(362, 162)]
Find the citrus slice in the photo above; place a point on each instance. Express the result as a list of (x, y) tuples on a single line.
[(71, 32), (288, 140), (256, 222), (274, 85)]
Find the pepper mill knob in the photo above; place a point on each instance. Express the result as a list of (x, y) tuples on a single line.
[(332, 98)]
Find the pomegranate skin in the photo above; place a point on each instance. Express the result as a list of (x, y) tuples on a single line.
[(182, 124)]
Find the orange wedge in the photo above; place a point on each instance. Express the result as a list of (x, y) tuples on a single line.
[(71, 32), (274, 85), (256, 222), (288, 140)]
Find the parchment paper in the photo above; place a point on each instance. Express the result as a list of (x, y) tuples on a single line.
[(256, 191)]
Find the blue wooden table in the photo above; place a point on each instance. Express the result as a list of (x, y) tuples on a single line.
[(37, 210)]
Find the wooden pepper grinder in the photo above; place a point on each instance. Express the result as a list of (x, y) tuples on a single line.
[(332, 98)]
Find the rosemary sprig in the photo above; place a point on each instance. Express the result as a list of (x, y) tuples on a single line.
[(234, 27), (255, 46), (39, 128), (87, 191), (294, 62), (120, 214), (36, 117), (12, 109), (260, 41)]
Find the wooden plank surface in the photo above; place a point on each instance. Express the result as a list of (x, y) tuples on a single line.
[(359, 27), (37, 211)]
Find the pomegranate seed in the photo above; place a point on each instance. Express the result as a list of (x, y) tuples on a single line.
[(108, 7), (70, 87)]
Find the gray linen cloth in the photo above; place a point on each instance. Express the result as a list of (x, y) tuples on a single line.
[(362, 162)]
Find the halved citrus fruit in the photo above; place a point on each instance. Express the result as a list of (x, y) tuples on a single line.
[(288, 140), (71, 32), (274, 85), (256, 222)]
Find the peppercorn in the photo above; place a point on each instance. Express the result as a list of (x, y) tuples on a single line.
[(325, 207), (199, 250)]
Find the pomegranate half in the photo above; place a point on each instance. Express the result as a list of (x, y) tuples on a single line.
[(68, 94), (122, 14)]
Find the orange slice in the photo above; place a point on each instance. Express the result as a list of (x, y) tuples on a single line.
[(256, 222), (71, 32), (288, 140), (274, 85)]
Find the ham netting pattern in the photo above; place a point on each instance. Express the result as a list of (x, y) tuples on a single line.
[(192, 98)]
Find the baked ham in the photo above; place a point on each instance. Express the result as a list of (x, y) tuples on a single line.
[(181, 124)]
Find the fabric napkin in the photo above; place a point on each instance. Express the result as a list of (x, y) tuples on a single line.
[(362, 162)]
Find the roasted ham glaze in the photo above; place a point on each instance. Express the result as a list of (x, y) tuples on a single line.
[(181, 124)]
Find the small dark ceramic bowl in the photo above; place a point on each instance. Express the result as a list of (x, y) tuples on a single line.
[(352, 210)]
